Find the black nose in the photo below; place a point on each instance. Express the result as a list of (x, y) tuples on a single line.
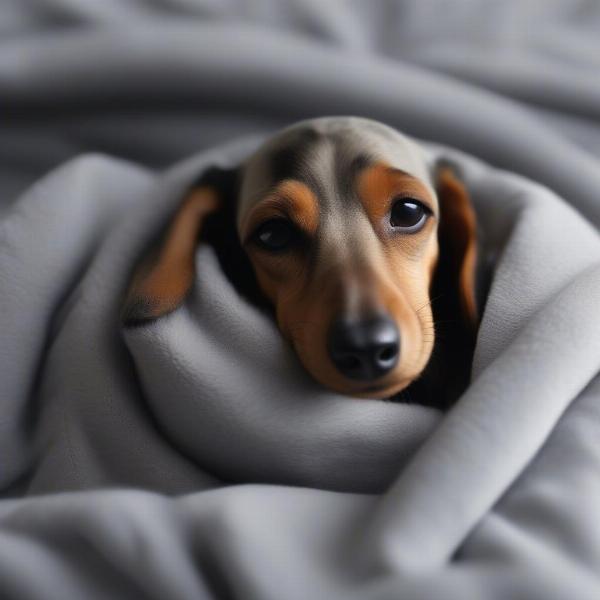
[(365, 349)]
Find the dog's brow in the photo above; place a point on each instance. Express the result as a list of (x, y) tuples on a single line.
[(414, 180), (396, 171), (291, 199)]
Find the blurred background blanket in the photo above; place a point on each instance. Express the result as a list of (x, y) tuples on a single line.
[(193, 458)]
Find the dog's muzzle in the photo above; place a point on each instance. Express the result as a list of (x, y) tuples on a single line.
[(364, 350)]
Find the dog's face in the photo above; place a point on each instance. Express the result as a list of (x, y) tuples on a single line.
[(340, 224), (339, 218)]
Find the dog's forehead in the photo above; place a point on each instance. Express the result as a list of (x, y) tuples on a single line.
[(327, 153)]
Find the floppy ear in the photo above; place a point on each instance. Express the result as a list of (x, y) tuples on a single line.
[(457, 236), (453, 292), (164, 276)]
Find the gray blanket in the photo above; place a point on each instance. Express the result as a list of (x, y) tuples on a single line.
[(194, 458)]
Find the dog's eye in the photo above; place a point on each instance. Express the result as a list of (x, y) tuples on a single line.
[(408, 214), (274, 235)]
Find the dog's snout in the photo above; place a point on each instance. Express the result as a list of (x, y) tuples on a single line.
[(364, 349)]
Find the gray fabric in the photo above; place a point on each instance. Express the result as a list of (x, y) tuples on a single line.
[(194, 458)]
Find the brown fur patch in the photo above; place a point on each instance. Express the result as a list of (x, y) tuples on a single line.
[(280, 276), (379, 184), (460, 229), (162, 280), (290, 199), (365, 269)]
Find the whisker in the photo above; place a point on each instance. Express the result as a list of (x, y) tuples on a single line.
[(431, 301)]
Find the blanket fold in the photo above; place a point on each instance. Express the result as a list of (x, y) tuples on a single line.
[(193, 457)]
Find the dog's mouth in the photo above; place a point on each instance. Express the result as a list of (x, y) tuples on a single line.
[(359, 358), (391, 392), (380, 391), (386, 394), (374, 389), (375, 386)]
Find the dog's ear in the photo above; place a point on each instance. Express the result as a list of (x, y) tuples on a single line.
[(457, 235), (165, 274), (453, 296)]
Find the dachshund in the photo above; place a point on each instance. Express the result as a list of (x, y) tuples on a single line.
[(363, 252)]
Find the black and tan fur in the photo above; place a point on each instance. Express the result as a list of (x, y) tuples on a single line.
[(335, 180)]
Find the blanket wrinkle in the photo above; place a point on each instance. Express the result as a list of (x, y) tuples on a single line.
[(408, 492), (194, 457), (184, 56)]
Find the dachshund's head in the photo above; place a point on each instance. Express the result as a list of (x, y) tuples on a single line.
[(345, 225)]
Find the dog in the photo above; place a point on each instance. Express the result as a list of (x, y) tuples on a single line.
[(363, 252)]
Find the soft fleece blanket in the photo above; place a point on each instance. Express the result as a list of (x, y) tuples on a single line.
[(193, 458)]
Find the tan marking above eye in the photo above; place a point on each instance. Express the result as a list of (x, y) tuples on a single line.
[(290, 199), (380, 184), (281, 274)]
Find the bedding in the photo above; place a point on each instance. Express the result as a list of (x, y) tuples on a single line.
[(193, 457)]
